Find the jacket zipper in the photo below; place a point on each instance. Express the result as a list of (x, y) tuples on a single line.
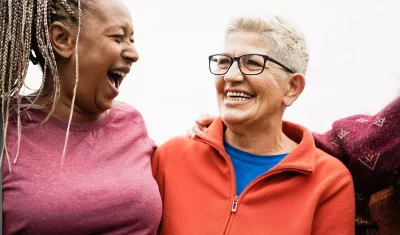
[(235, 201), (235, 204)]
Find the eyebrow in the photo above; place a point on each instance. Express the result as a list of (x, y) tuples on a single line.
[(120, 27)]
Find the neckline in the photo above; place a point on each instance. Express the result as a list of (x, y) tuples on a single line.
[(242, 153), (39, 115)]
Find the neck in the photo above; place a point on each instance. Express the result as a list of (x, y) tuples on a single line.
[(63, 108), (262, 139)]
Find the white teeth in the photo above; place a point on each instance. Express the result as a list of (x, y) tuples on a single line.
[(237, 99), (238, 95)]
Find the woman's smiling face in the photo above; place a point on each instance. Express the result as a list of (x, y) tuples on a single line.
[(248, 98), (106, 53)]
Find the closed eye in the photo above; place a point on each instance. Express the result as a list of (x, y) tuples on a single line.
[(224, 61), (118, 38), (121, 38), (252, 62)]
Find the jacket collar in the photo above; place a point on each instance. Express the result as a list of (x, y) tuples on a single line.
[(301, 159)]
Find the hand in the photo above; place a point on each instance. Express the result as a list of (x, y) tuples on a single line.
[(202, 123)]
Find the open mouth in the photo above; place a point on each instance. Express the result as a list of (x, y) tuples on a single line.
[(238, 96), (116, 77)]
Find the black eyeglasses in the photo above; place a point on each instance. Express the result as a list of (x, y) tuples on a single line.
[(249, 64)]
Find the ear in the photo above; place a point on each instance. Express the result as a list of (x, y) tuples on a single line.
[(62, 39), (294, 87)]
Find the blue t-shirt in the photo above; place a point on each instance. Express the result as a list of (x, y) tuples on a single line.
[(249, 166)]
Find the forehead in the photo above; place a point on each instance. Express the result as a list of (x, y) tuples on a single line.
[(238, 43), (107, 12)]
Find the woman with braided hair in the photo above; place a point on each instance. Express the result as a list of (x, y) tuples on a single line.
[(74, 161)]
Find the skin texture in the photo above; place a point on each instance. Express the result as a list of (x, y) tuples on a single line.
[(255, 125), (106, 43)]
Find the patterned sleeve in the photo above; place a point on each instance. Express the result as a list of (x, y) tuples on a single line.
[(368, 145)]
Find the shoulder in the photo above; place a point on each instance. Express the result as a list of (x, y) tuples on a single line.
[(177, 150), (175, 145), (126, 111), (330, 170), (324, 159), (129, 123)]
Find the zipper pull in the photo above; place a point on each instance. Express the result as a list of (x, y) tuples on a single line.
[(235, 204)]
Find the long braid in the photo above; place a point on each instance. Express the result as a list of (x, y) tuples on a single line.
[(16, 42), (3, 12), (15, 60), (22, 65), (18, 61), (15, 64), (25, 42), (24, 62), (6, 85), (76, 83), (28, 33), (44, 45)]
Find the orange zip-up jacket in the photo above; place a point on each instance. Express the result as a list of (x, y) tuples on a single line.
[(308, 192)]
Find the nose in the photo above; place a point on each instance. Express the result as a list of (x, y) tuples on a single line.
[(234, 74), (130, 54)]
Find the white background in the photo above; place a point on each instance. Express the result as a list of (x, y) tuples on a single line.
[(354, 58)]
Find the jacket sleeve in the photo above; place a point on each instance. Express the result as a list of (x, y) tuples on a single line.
[(368, 145), (335, 213)]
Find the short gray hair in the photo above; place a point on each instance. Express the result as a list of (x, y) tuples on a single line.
[(285, 43)]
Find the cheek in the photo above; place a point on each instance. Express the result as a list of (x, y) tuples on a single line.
[(260, 86), (95, 62), (267, 91), (219, 84), (98, 48), (272, 96)]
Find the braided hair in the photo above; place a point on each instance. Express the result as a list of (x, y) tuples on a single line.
[(24, 40)]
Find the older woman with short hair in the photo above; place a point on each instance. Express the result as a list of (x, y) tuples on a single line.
[(251, 172)]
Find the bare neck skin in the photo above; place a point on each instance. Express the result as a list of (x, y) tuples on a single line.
[(264, 138), (63, 107)]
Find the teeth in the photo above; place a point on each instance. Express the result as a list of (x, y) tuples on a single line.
[(239, 95), (237, 99), (120, 73)]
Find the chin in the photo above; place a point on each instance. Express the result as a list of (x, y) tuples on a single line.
[(104, 105), (232, 117)]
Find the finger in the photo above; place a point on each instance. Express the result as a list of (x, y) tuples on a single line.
[(190, 133), (205, 119), (198, 129)]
